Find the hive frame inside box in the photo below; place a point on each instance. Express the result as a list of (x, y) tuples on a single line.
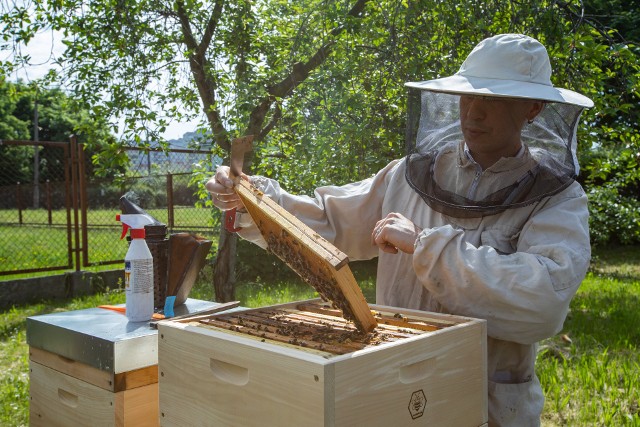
[(216, 377)]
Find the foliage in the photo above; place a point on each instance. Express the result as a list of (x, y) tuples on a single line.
[(610, 143), (614, 218), (320, 84), (614, 183), (11, 127), (14, 160), (16, 164), (621, 17), (59, 117), (183, 56)]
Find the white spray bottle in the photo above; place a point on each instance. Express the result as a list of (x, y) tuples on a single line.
[(138, 268)]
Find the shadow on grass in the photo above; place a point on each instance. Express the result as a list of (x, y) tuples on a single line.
[(608, 318), (617, 262)]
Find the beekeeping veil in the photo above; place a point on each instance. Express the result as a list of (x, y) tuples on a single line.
[(510, 66)]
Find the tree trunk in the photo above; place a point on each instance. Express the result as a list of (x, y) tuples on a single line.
[(224, 273), (225, 265)]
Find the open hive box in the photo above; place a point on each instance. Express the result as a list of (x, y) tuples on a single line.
[(303, 364), (336, 362)]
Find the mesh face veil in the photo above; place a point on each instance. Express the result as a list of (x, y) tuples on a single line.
[(440, 170), (440, 166)]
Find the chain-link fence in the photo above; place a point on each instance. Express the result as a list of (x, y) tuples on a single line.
[(60, 216)]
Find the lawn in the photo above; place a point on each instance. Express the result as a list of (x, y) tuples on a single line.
[(36, 244), (590, 372)]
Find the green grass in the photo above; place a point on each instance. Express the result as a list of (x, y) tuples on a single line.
[(36, 244), (184, 216), (590, 372)]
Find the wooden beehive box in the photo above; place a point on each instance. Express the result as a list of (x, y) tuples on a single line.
[(67, 393), (303, 365), (93, 367)]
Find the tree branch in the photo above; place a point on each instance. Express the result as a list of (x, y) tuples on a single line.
[(211, 28), (185, 25), (277, 115), (205, 84), (300, 71)]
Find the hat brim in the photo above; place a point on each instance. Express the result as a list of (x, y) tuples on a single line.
[(466, 85)]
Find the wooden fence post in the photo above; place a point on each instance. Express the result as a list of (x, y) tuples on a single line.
[(75, 199), (48, 191), (19, 202), (170, 217)]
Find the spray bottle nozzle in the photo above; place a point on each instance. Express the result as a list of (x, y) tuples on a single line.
[(134, 221)]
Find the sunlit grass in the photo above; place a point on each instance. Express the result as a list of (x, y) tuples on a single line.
[(37, 245), (590, 372)]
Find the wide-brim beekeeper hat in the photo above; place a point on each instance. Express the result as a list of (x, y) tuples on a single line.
[(506, 65)]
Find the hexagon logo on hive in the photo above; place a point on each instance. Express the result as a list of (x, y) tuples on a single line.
[(417, 404)]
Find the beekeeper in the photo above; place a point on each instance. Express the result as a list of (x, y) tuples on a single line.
[(483, 218)]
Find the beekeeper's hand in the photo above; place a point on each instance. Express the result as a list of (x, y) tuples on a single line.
[(221, 189), (395, 232)]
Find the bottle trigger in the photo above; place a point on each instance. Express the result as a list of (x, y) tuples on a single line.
[(125, 228)]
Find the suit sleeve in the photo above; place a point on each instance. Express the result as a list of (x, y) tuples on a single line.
[(524, 295), (344, 215)]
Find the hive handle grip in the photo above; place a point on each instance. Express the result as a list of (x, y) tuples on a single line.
[(66, 360), (417, 371), (229, 373), (68, 398)]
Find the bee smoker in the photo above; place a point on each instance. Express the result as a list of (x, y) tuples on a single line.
[(177, 260)]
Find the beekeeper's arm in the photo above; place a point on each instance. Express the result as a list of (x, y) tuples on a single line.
[(344, 215), (525, 295)]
